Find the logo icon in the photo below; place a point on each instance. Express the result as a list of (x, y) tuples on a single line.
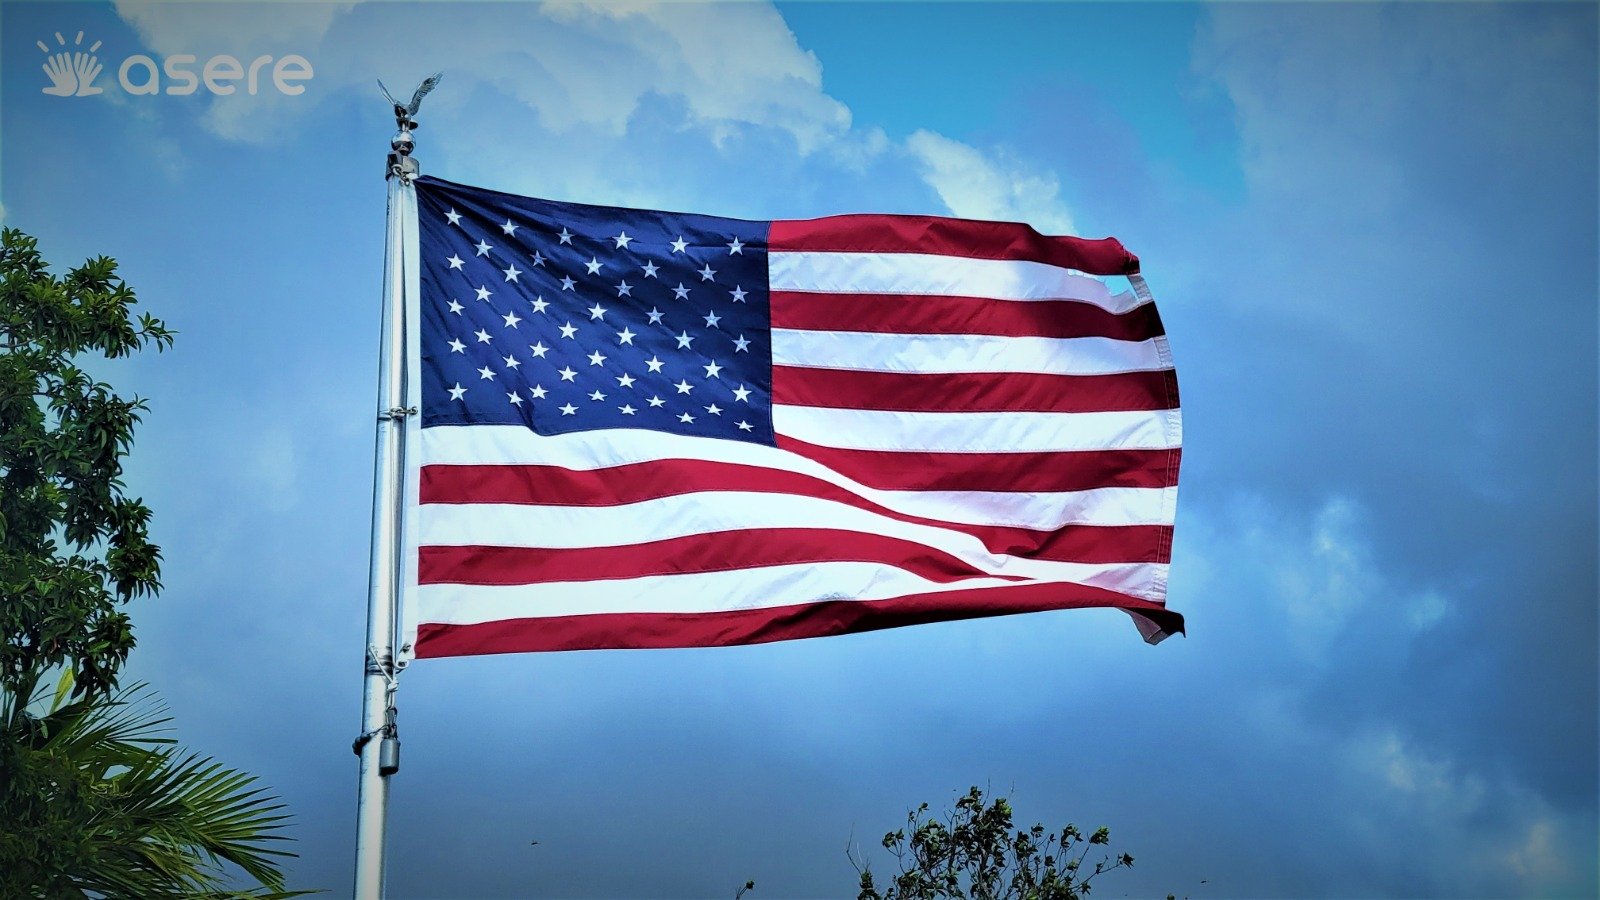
[(72, 71)]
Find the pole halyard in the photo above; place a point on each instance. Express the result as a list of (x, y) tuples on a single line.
[(378, 745)]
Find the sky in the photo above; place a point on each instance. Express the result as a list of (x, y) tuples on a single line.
[(1371, 231)]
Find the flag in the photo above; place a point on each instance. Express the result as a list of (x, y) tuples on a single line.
[(657, 429)]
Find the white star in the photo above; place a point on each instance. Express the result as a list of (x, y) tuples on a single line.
[(738, 294), (568, 330), (457, 347), (686, 418), (538, 392), (712, 319), (625, 336), (566, 283), (684, 340), (684, 387), (511, 273), (455, 261), (566, 236), (454, 217), (707, 273), (483, 293), (655, 315), (741, 345), (509, 227), (680, 292), (568, 410), (597, 358), (456, 307), (623, 290), (566, 373), (485, 373), (483, 247), (736, 247), (714, 409), (483, 336), (515, 398), (746, 426), (538, 260), (511, 319), (741, 394), (625, 380), (650, 269), (654, 363), (512, 362), (625, 409), (597, 312), (679, 244), (712, 369), (539, 304), (622, 240), (657, 401), (539, 349), (596, 396), (457, 391), (593, 265)]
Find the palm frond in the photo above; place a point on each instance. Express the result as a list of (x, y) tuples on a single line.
[(158, 821)]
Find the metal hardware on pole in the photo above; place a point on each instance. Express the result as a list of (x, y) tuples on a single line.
[(380, 758)]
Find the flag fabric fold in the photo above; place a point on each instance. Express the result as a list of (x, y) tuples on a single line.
[(657, 429)]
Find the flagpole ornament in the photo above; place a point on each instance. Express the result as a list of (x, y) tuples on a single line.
[(405, 119)]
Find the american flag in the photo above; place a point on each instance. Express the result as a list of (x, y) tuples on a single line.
[(657, 429)]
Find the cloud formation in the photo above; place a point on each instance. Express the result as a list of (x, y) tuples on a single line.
[(1382, 303), (585, 74)]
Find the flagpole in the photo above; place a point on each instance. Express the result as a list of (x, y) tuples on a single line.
[(379, 744)]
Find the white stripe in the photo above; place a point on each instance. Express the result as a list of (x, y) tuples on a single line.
[(948, 276), (585, 451), (708, 592), (972, 432), (560, 527), (956, 353)]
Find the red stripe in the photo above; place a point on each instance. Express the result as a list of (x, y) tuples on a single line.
[(920, 314), (951, 237), (783, 623), (691, 554), (637, 482), (974, 391), (1080, 470)]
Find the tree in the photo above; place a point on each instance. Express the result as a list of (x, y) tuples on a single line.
[(93, 796), (973, 853), (73, 546)]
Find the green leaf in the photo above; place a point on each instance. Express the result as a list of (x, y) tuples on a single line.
[(63, 687)]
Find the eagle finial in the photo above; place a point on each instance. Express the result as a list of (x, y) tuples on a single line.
[(405, 115)]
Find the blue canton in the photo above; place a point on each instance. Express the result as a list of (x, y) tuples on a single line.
[(564, 317)]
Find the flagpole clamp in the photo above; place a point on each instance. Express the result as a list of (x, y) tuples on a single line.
[(389, 755), (396, 413)]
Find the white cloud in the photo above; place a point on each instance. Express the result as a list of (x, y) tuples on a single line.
[(1467, 827), (237, 28), (976, 185), (244, 31), (732, 63), (1311, 603), (584, 74), (1317, 575)]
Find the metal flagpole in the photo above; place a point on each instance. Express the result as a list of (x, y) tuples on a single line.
[(379, 743)]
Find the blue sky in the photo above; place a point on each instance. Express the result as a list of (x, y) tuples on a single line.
[(1372, 233)]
